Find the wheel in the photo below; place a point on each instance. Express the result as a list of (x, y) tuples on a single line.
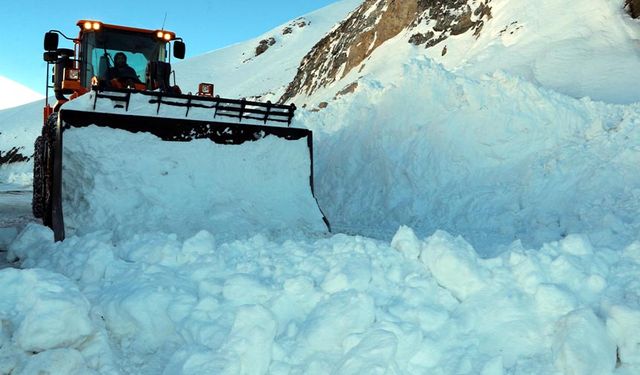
[(48, 141), (37, 202)]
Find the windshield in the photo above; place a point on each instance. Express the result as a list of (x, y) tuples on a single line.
[(100, 48)]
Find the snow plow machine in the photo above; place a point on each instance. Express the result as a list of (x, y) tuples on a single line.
[(123, 149)]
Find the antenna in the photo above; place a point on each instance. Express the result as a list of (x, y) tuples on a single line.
[(164, 20)]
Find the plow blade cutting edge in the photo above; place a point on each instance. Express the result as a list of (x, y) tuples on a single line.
[(132, 173)]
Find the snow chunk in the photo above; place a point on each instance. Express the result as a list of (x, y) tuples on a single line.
[(27, 244), (353, 273), (251, 338), (57, 362), (245, 289), (576, 245), (633, 251), (143, 313), (202, 244), (374, 354), (454, 264), (46, 309), (7, 235), (406, 242), (582, 345), (336, 318), (552, 300), (624, 326), (197, 361)]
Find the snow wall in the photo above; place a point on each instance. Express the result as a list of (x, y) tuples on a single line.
[(494, 160)]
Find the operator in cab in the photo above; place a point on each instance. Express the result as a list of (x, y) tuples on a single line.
[(122, 72)]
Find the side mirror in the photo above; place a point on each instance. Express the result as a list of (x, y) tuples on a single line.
[(179, 49), (50, 41)]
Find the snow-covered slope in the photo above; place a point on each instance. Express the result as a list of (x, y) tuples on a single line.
[(19, 128), (588, 49), (237, 71), (13, 94)]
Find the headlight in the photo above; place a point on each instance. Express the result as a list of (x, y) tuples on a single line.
[(72, 74), (205, 89)]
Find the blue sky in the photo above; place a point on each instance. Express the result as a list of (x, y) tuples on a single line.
[(204, 25)]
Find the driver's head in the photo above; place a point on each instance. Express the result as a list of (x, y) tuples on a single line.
[(120, 59)]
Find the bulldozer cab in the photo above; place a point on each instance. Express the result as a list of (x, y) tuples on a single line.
[(143, 49)]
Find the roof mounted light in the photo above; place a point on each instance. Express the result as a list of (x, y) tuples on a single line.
[(165, 35), (91, 25)]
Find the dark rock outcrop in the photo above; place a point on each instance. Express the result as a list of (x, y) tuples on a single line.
[(264, 45), (297, 23), (634, 7), (377, 21), (12, 156)]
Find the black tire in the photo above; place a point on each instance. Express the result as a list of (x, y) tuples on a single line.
[(37, 202), (41, 204), (49, 134)]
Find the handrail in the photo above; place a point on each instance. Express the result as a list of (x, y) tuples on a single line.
[(235, 108)]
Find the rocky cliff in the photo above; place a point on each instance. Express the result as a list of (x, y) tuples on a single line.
[(634, 7), (424, 22)]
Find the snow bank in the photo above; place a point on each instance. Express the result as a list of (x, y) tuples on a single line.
[(494, 160), (342, 304)]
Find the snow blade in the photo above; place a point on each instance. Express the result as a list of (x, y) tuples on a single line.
[(132, 174)]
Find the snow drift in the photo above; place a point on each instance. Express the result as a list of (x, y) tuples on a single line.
[(495, 159)]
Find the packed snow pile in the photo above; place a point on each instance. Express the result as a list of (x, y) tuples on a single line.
[(48, 327), (495, 160), (346, 305), (131, 183)]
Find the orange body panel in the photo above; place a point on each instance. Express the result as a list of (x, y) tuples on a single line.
[(47, 111), (73, 85)]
